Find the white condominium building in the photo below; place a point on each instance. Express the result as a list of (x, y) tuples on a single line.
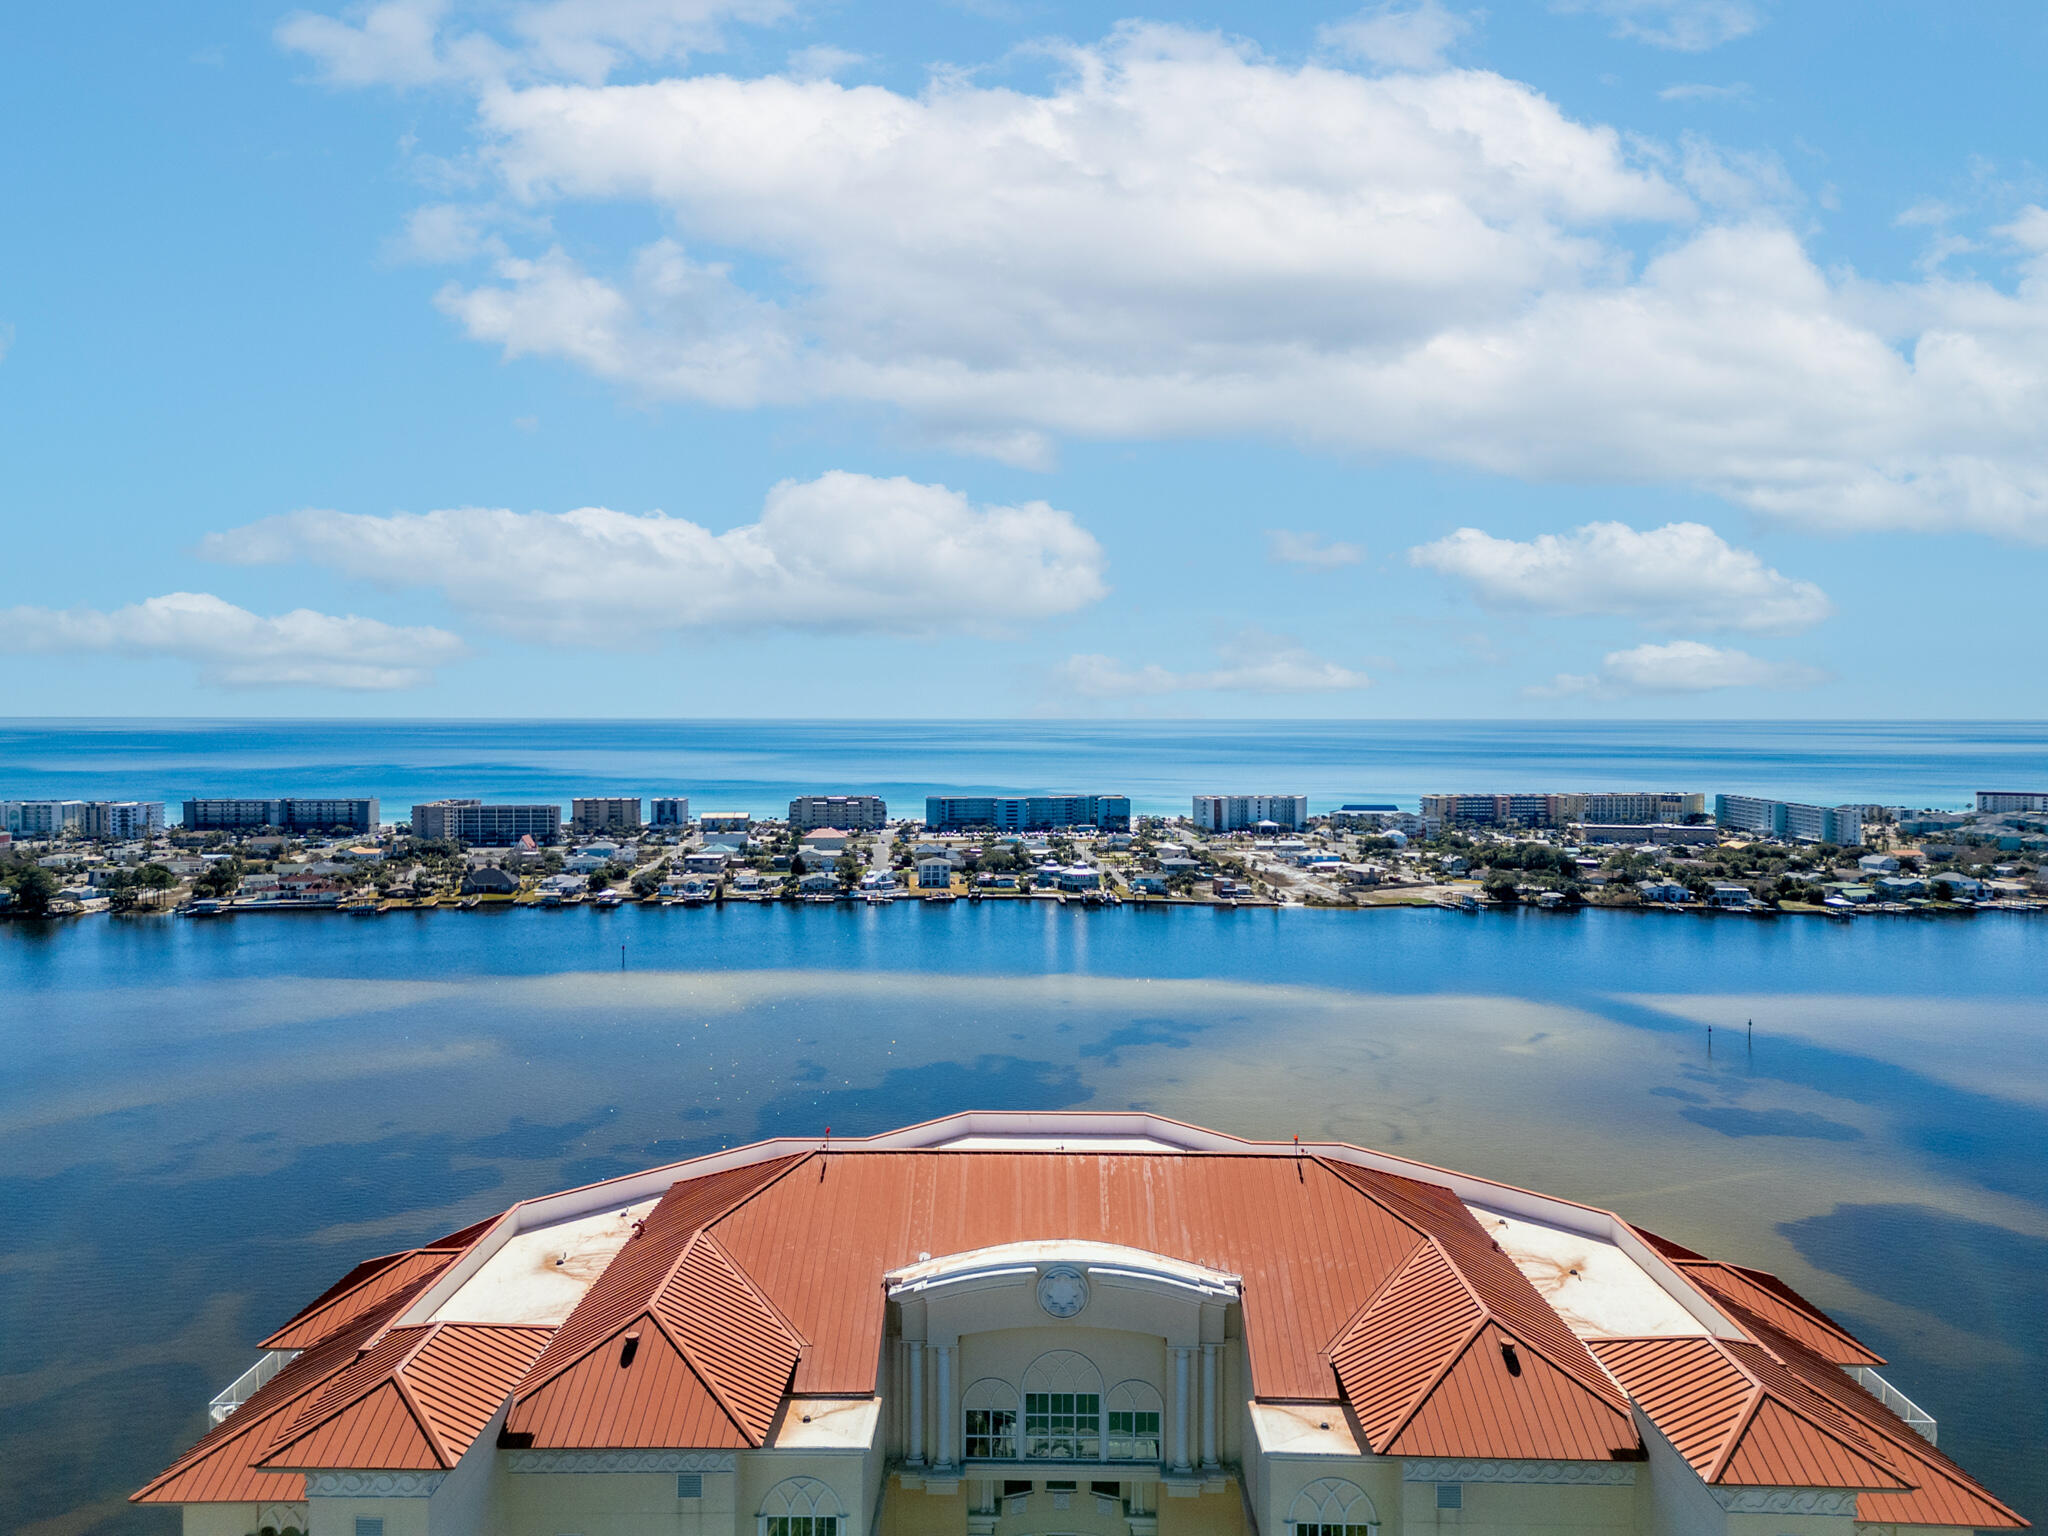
[(850, 813), (1238, 813)]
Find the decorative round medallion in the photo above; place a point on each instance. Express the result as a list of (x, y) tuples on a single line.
[(1062, 1290)]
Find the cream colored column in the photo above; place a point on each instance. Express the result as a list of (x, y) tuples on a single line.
[(916, 1389), (1181, 1408), (945, 1407), (1209, 1408)]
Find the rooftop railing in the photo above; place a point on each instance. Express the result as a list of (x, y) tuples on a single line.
[(250, 1382), (1918, 1419)]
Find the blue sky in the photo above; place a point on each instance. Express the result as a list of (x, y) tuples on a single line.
[(763, 357)]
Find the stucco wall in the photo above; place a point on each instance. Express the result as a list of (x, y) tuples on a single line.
[(612, 1504)]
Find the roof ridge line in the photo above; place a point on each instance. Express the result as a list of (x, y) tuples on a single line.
[(428, 1428), (1364, 1309), (704, 1380), (1799, 1412), (1536, 1349), (529, 1384), (427, 1331), (1436, 1377), (1337, 1169), (1736, 1431), (753, 1288), (313, 1309)]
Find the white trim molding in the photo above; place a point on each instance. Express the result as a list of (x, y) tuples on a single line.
[(1601, 1474), (1786, 1501), (622, 1461), (372, 1485)]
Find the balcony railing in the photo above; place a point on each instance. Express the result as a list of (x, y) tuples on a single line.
[(246, 1385), (1918, 1419)]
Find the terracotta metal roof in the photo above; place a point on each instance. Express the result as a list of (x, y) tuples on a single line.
[(765, 1277), (1759, 1293), (415, 1400), (1458, 1354), (1741, 1419), (1942, 1492), (222, 1465), (358, 1292), (1311, 1251), (709, 1357)]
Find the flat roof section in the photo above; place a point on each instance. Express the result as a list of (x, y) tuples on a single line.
[(1596, 1287), (1306, 1429), (537, 1277), (826, 1424)]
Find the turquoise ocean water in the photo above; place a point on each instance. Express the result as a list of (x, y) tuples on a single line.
[(758, 765)]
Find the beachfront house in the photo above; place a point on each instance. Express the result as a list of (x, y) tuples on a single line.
[(935, 872), (1724, 894)]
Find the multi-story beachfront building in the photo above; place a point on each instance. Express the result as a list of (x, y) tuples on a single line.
[(40, 818), (850, 813), (289, 813), (487, 826), (1027, 813), (1993, 801), (1617, 807), (1237, 813), (1518, 810), (1841, 825), (1102, 1325), (120, 820), (611, 813), (669, 810)]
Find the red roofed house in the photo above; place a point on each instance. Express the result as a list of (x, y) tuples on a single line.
[(1063, 1325)]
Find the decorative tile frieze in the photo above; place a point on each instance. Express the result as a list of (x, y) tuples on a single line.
[(621, 1461), (1603, 1474), (1786, 1501), (372, 1485)]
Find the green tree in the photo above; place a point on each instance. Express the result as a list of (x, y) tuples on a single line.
[(34, 889)]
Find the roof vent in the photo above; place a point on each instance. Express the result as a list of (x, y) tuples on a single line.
[(1510, 1359), (629, 1349)]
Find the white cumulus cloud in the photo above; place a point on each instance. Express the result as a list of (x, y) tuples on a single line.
[(1290, 548), (431, 42), (1680, 576), (1253, 661), (1678, 667), (1181, 236), (1397, 36), (838, 553), (234, 648), (1689, 26)]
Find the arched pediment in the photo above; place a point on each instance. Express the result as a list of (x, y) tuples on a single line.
[(1106, 1263)]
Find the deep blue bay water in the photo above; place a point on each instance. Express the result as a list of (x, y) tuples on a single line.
[(202, 1123)]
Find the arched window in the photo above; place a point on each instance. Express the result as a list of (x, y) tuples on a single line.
[(1063, 1408), (991, 1427), (800, 1506), (1332, 1507), (1132, 1433)]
